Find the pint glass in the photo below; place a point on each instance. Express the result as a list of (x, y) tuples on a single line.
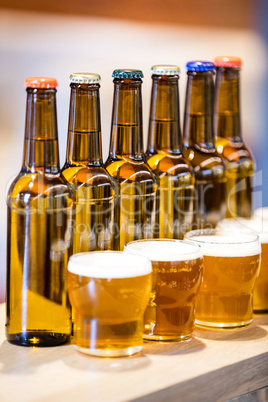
[(109, 292), (231, 266), (177, 273), (260, 226)]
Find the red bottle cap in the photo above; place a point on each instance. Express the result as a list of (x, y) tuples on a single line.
[(227, 61), (40, 82)]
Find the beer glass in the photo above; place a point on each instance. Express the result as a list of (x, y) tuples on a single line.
[(109, 292), (260, 226), (231, 266), (177, 273)]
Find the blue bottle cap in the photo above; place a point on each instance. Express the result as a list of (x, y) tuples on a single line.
[(200, 66), (127, 74)]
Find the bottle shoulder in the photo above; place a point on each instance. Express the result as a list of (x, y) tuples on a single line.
[(130, 170), (206, 163), (88, 176), (28, 188), (234, 152), (163, 163)]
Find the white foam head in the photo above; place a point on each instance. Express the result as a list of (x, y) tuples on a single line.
[(246, 225), (261, 213), (165, 249), (109, 265), (226, 244)]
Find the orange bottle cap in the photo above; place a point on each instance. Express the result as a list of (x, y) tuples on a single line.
[(40, 82), (227, 61)]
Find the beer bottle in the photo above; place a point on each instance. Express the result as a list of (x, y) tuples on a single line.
[(39, 204), (229, 141), (173, 173), (199, 146), (136, 184), (84, 169)]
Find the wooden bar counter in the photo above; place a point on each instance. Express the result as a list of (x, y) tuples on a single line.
[(213, 366)]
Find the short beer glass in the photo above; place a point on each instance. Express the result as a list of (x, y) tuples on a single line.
[(109, 292), (260, 226), (177, 274), (231, 266)]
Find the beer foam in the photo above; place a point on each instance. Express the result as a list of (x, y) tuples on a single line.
[(109, 265), (246, 225), (165, 250), (236, 244), (261, 213)]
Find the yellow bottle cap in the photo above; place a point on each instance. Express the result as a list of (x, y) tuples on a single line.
[(85, 78), (165, 70)]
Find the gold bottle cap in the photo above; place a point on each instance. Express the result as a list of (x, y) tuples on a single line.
[(85, 78), (165, 70)]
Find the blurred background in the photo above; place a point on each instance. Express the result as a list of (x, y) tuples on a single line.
[(56, 38)]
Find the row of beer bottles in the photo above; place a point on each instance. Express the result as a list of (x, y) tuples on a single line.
[(133, 196), (198, 181), (197, 184)]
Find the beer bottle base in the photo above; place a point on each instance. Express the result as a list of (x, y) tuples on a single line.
[(38, 338)]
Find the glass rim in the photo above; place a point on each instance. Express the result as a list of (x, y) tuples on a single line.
[(99, 269), (197, 247), (218, 232)]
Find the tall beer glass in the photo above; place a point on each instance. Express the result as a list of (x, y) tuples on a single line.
[(260, 226), (109, 292), (231, 266), (177, 273)]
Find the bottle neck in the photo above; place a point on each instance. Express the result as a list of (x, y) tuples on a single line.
[(84, 130), (198, 117), (227, 108), (164, 123), (127, 130), (41, 135)]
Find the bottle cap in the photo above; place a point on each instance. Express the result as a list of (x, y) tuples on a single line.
[(165, 70), (41, 82), (227, 61), (200, 66), (85, 78), (127, 74)]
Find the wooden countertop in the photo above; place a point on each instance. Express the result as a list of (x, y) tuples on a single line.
[(213, 366)]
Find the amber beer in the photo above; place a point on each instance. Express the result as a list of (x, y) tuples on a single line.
[(109, 292), (231, 266), (93, 187), (39, 216), (260, 294), (229, 137), (199, 146), (177, 271), (136, 186), (174, 175)]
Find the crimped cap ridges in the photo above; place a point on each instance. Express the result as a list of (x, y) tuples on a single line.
[(124, 73), (200, 66), (162, 69), (85, 78)]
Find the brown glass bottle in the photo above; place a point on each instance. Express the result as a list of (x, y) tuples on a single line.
[(199, 146), (38, 230), (229, 141), (136, 184), (93, 222), (174, 175)]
